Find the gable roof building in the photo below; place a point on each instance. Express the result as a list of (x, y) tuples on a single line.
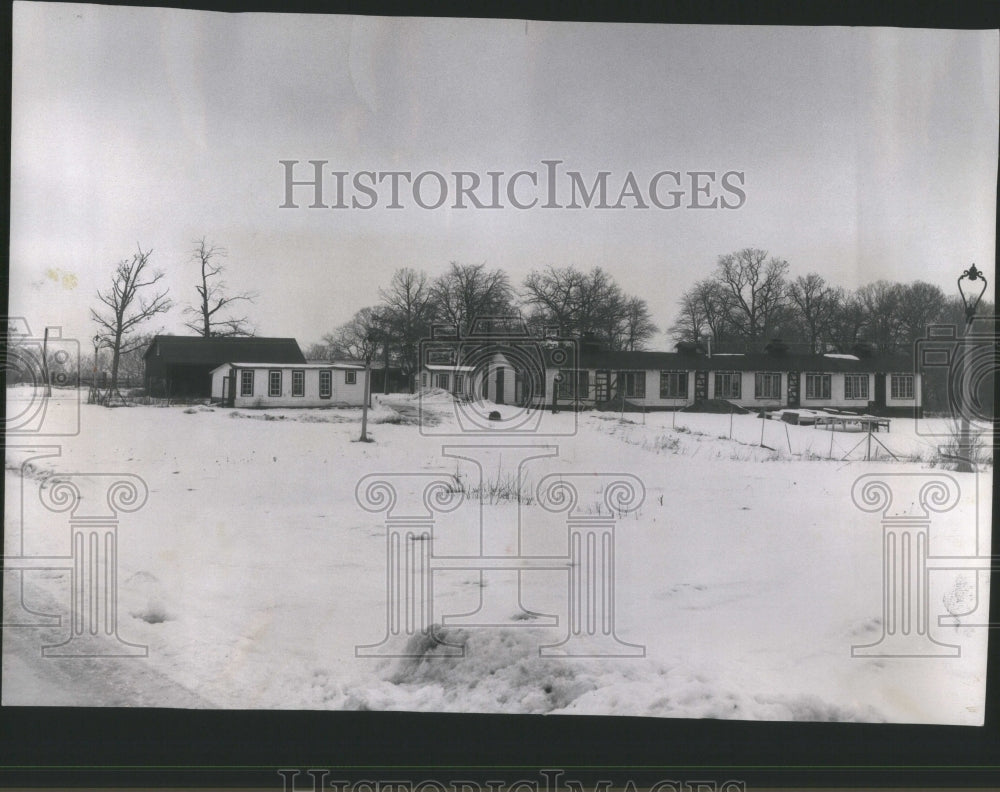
[(182, 365)]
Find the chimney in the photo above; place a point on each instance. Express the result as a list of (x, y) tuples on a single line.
[(862, 349), (776, 347)]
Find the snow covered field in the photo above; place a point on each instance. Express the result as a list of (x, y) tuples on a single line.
[(252, 572)]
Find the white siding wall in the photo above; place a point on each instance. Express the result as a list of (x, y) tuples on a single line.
[(748, 391), (472, 381), (217, 376), (342, 393)]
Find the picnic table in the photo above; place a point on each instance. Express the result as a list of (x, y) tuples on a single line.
[(868, 423)]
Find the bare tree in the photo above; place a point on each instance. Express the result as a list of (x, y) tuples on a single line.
[(131, 365), (814, 305), (469, 291), (637, 325), (690, 324), (600, 304), (213, 297), (847, 322), (756, 288), (920, 304), (881, 301), (953, 310), (327, 348), (361, 338), (556, 293), (588, 302), (127, 307), (714, 301), (407, 314)]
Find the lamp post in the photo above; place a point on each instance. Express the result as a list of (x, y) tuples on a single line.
[(371, 339), (970, 304), (93, 385)]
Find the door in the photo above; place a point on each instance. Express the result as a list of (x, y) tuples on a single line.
[(880, 389), (601, 386), (231, 395), (793, 389), (700, 385), (499, 395)]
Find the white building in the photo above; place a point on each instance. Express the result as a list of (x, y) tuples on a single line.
[(289, 384), (670, 380), (461, 381)]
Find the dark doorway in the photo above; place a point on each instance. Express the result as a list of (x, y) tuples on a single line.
[(879, 390), (499, 394)]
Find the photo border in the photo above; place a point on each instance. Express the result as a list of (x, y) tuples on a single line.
[(105, 747)]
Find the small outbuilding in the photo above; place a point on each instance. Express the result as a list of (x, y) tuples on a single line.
[(252, 384)]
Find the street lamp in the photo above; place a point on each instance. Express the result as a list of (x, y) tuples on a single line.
[(971, 274), (97, 345), (970, 302)]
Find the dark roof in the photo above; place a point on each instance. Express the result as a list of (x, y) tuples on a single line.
[(196, 349), (751, 361)]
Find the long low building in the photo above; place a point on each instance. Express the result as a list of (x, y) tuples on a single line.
[(671, 380), (289, 385)]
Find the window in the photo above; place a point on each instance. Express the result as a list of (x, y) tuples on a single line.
[(441, 379), (727, 385), (459, 384), (632, 384), (767, 385), (246, 382), (350, 378), (298, 382), (325, 384), (855, 386), (673, 384), (901, 386), (817, 386), (273, 383), (601, 386), (575, 384)]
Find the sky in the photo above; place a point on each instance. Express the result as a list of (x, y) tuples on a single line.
[(864, 153)]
